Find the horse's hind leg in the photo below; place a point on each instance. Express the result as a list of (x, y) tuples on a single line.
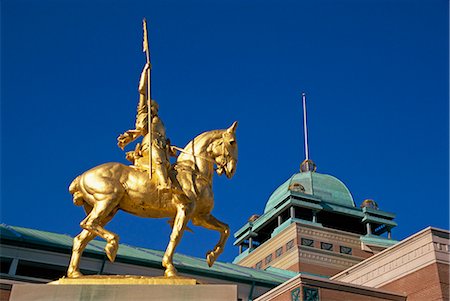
[(212, 223), (93, 223), (79, 244)]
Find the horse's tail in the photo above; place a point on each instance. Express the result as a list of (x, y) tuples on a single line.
[(75, 191)]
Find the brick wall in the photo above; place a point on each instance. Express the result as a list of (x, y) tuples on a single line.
[(427, 283), (334, 295), (318, 269), (330, 295), (5, 292), (443, 271)]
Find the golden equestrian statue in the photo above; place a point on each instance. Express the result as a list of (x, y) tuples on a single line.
[(110, 187), (152, 187)]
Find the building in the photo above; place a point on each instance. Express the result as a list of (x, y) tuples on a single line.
[(414, 269), (312, 243), (311, 224), (34, 256)]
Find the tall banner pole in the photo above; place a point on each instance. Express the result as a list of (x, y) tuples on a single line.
[(149, 98), (305, 128)]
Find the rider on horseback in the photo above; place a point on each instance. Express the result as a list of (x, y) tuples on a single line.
[(161, 149)]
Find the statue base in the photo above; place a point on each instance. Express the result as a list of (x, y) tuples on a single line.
[(124, 280), (103, 288)]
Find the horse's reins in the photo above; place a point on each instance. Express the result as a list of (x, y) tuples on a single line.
[(192, 154), (190, 168), (222, 165)]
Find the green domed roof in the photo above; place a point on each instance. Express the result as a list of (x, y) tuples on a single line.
[(325, 187)]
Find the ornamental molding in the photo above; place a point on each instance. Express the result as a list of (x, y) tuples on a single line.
[(328, 236), (397, 266), (441, 247), (327, 260)]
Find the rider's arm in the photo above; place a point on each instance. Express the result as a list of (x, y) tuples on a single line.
[(143, 81)]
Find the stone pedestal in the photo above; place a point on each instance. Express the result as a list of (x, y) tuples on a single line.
[(125, 279), (116, 292)]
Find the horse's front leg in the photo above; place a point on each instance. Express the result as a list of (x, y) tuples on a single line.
[(212, 223), (179, 225)]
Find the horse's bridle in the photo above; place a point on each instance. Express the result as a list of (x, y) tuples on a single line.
[(192, 154), (220, 164)]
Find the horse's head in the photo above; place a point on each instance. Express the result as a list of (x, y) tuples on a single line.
[(225, 152)]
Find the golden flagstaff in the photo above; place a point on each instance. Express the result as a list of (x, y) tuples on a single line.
[(146, 49)]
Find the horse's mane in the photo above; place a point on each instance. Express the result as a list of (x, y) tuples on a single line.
[(200, 138)]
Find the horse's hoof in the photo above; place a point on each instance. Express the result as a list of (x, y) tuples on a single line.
[(111, 250), (74, 274), (170, 272), (210, 258)]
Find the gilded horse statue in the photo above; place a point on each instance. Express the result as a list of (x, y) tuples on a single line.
[(107, 188)]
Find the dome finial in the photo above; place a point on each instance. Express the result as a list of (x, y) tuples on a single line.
[(308, 165)]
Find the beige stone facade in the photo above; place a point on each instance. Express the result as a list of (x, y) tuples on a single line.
[(418, 266), (288, 250), (415, 269)]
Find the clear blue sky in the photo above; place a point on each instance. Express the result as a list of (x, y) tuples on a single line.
[(375, 74)]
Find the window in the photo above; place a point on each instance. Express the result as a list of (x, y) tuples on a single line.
[(5, 264), (307, 242), (346, 250), (40, 270), (310, 294), (268, 259), (326, 246), (258, 265), (278, 252), (295, 294), (290, 244)]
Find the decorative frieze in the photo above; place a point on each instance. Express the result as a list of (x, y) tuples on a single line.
[(441, 247), (328, 235), (327, 259), (397, 263)]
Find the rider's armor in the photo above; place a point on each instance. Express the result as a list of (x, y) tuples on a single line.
[(140, 156)]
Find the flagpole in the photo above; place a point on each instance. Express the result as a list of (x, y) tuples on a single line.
[(305, 128), (149, 97)]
